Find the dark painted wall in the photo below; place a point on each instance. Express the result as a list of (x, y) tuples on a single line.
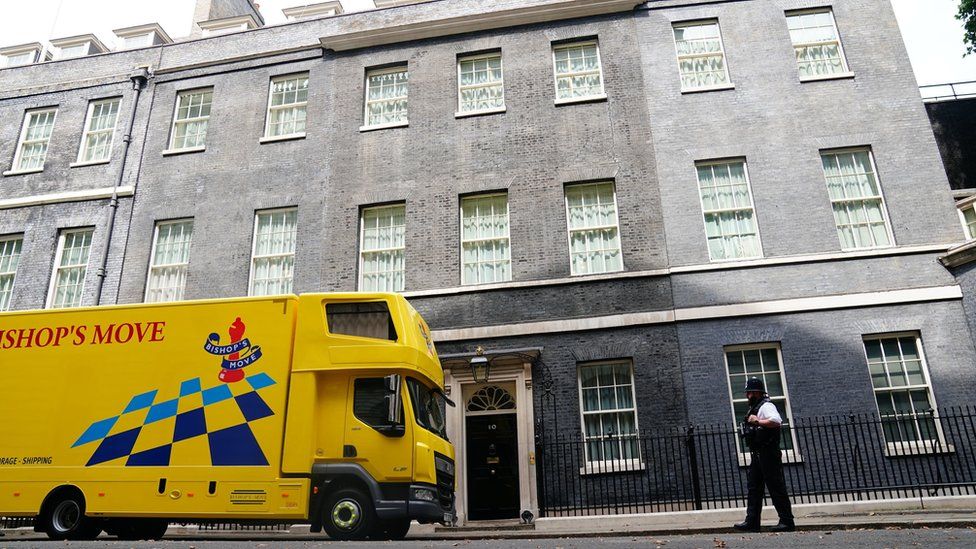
[(954, 123)]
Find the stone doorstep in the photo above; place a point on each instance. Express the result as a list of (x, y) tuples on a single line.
[(486, 526)]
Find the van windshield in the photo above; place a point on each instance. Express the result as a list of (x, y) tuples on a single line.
[(429, 407)]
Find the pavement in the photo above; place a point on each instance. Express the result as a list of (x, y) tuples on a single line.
[(809, 520), (893, 538)]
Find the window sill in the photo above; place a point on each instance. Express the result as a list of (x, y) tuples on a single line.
[(708, 89), (789, 456), (172, 152), (821, 78), (745, 260), (88, 163), (22, 172), (383, 126), (868, 248), (584, 275), (575, 100), (610, 467), (485, 112), (276, 138), (916, 449)]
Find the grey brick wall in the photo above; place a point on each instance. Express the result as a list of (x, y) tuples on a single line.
[(779, 125), (823, 357), (646, 138)]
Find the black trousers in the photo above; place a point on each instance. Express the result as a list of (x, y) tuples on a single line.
[(766, 473)]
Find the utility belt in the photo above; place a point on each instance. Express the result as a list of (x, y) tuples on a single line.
[(759, 438)]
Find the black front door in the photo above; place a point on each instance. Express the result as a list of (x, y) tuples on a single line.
[(493, 474)]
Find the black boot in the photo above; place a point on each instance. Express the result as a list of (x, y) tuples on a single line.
[(784, 526), (746, 527)]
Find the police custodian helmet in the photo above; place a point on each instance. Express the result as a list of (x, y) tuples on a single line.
[(755, 384)]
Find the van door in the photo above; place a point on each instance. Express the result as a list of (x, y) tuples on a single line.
[(382, 448)]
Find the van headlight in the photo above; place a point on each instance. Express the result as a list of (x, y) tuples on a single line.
[(423, 494)]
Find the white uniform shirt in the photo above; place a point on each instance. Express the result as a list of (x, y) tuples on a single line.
[(769, 411)]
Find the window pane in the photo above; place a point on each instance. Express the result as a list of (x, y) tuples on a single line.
[(593, 232), (369, 403), (816, 43), (762, 362), (577, 71), (856, 200), (170, 262), (386, 97), (383, 246), (730, 226), (903, 411), (273, 257), (32, 151), (9, 259), (480, 84), (192, 116), (97, 141), (71, 270), (485, 247), (287, 106), (609, 418), (701, 60)]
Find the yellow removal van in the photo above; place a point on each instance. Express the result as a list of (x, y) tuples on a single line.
[(326, 409)]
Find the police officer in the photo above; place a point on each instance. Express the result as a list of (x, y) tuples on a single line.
[(762, 433)]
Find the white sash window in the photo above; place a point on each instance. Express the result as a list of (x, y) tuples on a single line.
[(287, 104), (273, 256), (10, 247), (485, 247), (170, 261), (71, 269), (34, 138), (701, 56), (96, 144), (382, 245)]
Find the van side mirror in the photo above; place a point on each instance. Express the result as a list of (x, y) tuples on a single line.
[(394, 401)]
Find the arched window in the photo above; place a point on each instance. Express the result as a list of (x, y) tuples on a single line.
[(491, 398)]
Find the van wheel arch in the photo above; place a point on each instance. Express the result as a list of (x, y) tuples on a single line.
[(328, 486), (62, 515)]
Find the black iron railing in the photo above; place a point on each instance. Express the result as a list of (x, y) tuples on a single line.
[(16, 522), (948, 92), (829, 459)]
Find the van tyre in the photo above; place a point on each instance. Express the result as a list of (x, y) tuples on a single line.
[(65, 519), (348, 514), (394, 530)]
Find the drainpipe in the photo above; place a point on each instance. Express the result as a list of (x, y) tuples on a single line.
[(139, 79)]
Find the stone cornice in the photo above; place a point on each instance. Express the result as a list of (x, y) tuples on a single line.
[(554, 11), (960, 255)]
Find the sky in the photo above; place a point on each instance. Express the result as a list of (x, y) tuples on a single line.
[(932, 35)]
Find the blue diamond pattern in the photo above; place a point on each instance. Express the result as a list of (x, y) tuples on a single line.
[(253, 406), (161, 411), (190, 424), (158, 456), (216, 394), (139, 402), (235, 445), (96, 431), (260, 381), (189, 387), (115, 446)]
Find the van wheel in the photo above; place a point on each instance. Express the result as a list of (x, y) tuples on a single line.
[(65, 519), (394, 530), (348, 515)]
